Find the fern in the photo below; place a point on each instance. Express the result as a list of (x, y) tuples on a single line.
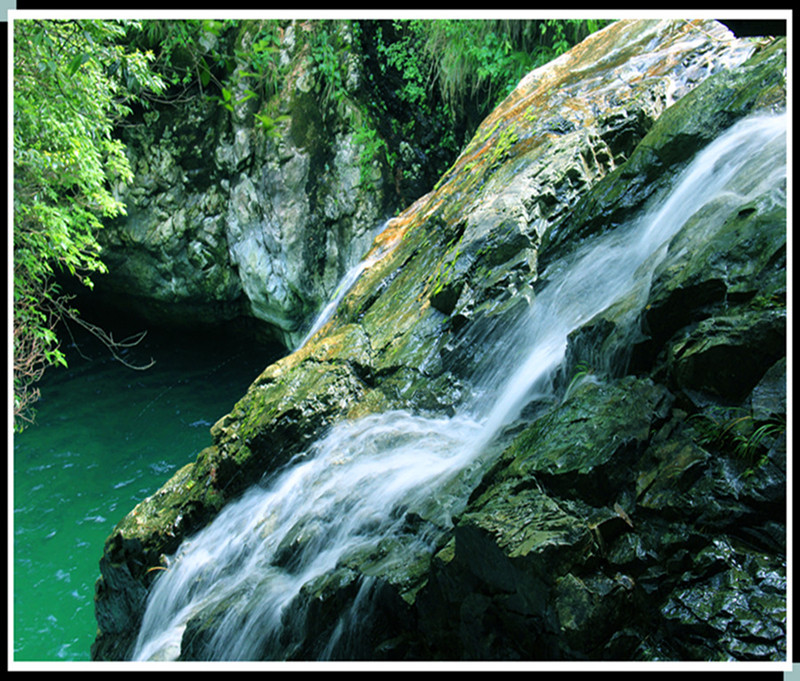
[(737, 433)]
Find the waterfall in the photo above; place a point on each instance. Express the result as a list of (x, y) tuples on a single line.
[(745, 161), (346, 283), (355, 487)]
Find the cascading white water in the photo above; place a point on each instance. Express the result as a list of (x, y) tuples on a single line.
[(745, 161), (353, 488), (345, 284)]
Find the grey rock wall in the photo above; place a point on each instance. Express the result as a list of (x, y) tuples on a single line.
[(226, 219)]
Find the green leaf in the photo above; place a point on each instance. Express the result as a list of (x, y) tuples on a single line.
[(248, 94), (211, 26), (77, 61), (268, 123), (205, 73)]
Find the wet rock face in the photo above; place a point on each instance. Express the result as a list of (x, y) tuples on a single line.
[(646, 514), (641, 516)]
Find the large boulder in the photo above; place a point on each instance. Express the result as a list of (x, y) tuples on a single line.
[(643, 516), (593, 523)]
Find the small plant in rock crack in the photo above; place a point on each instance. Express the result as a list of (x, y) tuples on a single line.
[(738, 433), (583, 373)]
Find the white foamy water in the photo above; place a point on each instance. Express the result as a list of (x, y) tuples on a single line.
[(354, 488), (345, 284)]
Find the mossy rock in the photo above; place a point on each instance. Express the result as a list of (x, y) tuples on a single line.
[(588, 443), (678, 134), (725, 356)]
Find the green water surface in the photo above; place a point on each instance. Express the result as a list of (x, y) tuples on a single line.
[(106, 437)]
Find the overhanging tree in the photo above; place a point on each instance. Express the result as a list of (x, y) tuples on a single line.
[(74, 82)]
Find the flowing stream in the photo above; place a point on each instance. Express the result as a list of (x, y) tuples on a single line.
[(353, 488)]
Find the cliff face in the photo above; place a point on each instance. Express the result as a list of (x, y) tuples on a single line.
[(228, 218), (637, 513)]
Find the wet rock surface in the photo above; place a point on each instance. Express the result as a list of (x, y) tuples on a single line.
[(673, 545), (639, 516)]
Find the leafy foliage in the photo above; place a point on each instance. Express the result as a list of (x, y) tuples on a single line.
[(73, 82), (185, 53), (228, 61), (446, 75), (487, 58), (735, 431)]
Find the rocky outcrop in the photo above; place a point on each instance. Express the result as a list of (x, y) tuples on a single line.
[(643, 518), (227, 218), (641, 515)]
